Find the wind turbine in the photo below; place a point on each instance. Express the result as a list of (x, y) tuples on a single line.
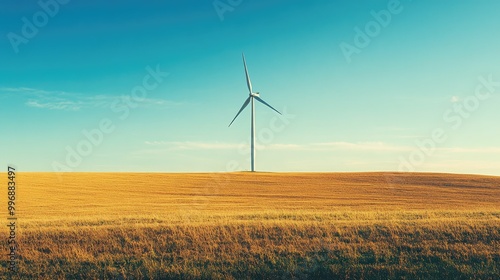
[(252, 96)]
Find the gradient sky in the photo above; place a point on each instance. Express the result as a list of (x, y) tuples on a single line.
[(366, 114)]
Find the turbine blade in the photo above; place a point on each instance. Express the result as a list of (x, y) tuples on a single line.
[(249, 83), (264, 102), (242, 107)]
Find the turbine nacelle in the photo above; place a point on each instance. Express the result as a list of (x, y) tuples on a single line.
[(255, 94)]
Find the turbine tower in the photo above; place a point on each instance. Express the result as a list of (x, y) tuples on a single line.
[(252, 96)]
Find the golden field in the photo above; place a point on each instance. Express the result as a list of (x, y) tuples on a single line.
[(256, 226)]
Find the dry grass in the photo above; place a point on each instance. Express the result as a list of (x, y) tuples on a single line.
[(264, 225)]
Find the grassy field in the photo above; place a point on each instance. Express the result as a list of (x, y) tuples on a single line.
[(255, 226)]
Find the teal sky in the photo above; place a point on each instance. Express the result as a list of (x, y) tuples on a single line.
[(434, 65)]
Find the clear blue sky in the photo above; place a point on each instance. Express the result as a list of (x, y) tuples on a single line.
[(360, 112)]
